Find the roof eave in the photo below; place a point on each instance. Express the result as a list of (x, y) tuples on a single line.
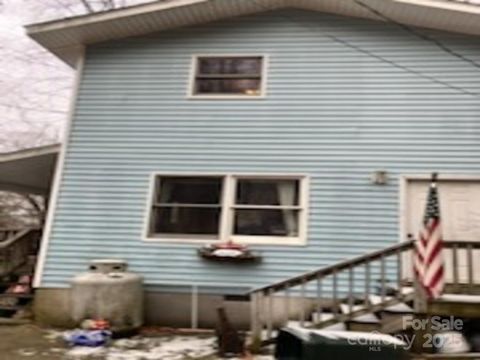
[(63, 37)]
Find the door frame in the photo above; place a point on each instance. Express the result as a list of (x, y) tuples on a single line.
[(403, 197)]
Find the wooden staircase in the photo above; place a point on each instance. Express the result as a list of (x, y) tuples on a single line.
[(18, 249), (373, 292)]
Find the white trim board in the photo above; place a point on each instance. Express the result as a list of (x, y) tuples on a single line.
[(30, 152), (57, 180)]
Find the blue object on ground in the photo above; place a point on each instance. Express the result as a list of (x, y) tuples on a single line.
[(88, 337)]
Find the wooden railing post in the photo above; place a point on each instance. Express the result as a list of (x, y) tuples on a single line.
[(287, 303), (471, 280), (255, 325), (269, 313), (399, 274), (455, 266), (335, 292), (319, 298), (383, 290), (303, 303), (350, 289), (367, 284)]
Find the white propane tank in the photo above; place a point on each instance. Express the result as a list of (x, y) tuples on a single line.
[(108, 292)]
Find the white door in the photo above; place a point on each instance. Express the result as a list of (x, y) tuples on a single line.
[(460, 218)]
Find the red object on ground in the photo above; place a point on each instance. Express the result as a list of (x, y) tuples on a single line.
[(101, 324)]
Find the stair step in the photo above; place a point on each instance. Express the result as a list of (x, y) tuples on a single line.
[(298, 324), (400, 308), (319, 317), (366, 319), (407, 290), (377, 299), (336, 327), (345, 308)]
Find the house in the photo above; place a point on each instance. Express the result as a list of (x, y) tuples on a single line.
[(305, 129)]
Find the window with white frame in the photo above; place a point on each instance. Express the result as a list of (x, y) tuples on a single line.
[(228, 76), (249, 209)]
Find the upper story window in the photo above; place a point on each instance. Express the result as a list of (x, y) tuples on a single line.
[(228, 76), (249, 209)]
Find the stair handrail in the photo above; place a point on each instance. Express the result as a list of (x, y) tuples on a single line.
[(262, 298), (16, 249), (328, 270), (13, 239)]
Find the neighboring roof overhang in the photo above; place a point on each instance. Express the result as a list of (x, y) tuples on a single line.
[(63, 37), (29, 171)]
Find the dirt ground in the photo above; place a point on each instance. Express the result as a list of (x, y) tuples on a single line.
[(30, 342)]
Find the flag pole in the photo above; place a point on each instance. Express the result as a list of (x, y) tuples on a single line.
[(420, 301)]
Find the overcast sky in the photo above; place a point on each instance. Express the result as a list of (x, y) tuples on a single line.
[(35, 86)]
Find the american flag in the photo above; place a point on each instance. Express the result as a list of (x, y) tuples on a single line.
[(428, 257)]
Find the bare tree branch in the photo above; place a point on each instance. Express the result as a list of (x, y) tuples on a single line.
[(87, 6)]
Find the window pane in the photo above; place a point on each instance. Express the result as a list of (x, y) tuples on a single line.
[(189, 190), (234, 65), (267, 192), (228, 86), (184, 220), (266, 222)]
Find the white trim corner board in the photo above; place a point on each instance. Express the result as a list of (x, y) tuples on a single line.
[(57, 179)]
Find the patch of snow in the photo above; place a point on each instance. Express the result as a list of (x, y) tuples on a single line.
[(145, 348), (27, 352), (377, 299), (349, 335), (451, 342), (128, 343), (367, 318), (82, 352), (345, 308), (324, 316), (180, 347), (339, 327), (53, 335), (295, 323)]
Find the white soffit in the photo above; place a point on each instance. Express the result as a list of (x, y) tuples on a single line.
[(63, 37), (29, 170)]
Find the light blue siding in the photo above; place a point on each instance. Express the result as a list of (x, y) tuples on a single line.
[(333, 110)]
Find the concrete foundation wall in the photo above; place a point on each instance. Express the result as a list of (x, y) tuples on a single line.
[(53, 307)]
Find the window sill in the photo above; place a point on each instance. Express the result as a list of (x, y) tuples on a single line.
[(247, 240), (226, 97)]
